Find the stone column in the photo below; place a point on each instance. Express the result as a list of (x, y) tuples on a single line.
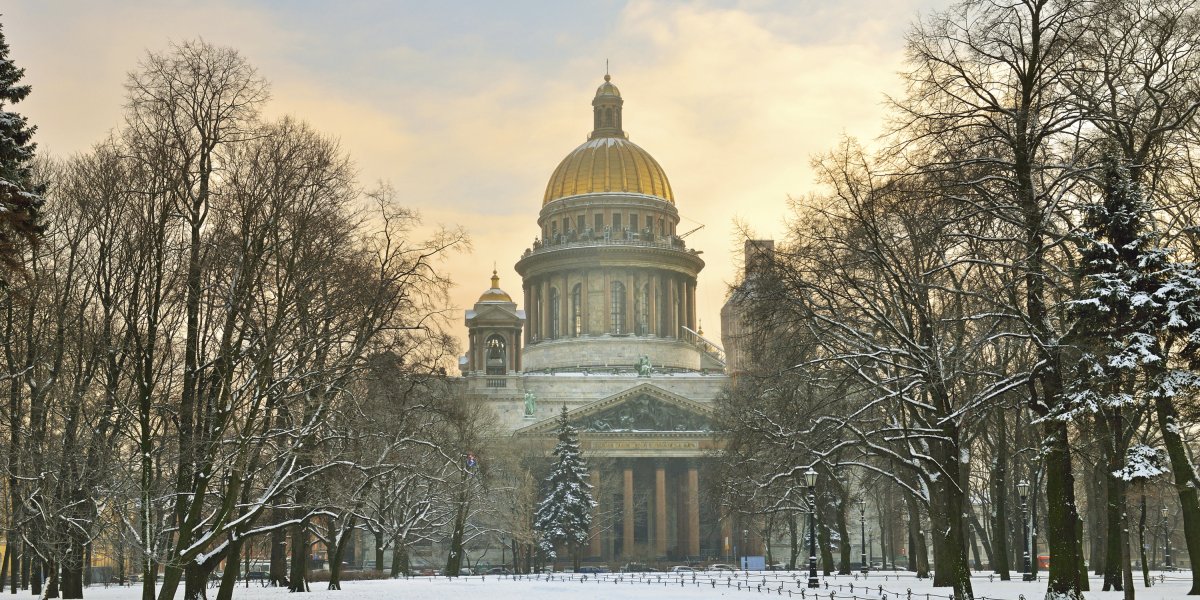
[(627, 542), (606, 305), (651, 309), (544, 310), (693, 511), (628, 326), (660, 510), (528, 304), (596, 548)]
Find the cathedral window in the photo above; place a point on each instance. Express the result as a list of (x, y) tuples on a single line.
[(580, 223), (497, 357), (554, 314), (577, 310), (617, 309), (633, 223), (616, 222), (599, 222), (608, 121)]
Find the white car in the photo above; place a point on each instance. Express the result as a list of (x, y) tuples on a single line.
[(720, 567), (682, 569)]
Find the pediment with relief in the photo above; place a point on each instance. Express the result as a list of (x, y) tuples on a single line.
[(642, 409)]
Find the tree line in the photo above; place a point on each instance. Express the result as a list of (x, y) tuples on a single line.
[(212, 336), (1003, 290)]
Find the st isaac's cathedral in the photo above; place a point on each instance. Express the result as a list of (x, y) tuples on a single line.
[(609, 330)]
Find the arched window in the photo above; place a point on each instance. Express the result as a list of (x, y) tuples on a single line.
[(496, 361), (617, 314), (641, 310), (554, 314), (608, 122), (577, 310)]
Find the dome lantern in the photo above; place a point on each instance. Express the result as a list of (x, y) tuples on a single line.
[(606, 111), (495, 294)]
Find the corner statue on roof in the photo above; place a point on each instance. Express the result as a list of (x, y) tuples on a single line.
[(530, 404), (643, 366)]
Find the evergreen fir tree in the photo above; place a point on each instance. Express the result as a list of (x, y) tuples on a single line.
[(564, 516), (20, 198)]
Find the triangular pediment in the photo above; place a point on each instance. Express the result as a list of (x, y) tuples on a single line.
[(644, 408), (493, 312)]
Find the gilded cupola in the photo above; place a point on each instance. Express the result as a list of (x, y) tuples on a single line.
[(608, 161)]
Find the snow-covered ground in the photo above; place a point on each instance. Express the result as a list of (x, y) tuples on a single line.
[(663, 586)]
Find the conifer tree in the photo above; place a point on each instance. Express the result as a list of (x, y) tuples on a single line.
[(20, 197), (564, 516)]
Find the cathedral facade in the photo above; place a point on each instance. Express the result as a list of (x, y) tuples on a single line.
[(607, 328)]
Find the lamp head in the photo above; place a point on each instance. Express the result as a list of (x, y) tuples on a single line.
[(810, 477), (1023, 488)]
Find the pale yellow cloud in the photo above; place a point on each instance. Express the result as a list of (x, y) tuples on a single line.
[(732, 102)]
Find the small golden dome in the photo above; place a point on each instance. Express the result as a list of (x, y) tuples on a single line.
[(608, 88), (608, 164), (495, 294)]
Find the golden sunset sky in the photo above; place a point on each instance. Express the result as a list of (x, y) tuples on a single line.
[(467, 107)]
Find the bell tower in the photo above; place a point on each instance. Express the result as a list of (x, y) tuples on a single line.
[(494, 329)]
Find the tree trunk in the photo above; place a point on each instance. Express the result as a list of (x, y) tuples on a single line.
[(278, 571), (195, 581), (844, 537), (793, 542), (1061, 514), (454, 558), (824, 545), (35, 577), (1186, 481), (229, 578), (379, 551), (1142, 537), (1114, 510), (946, 506), (50, 573), (336, 550), (298, 580), (918, 552), (1099, 531), (400, 557), (999, 490), (73, 570)]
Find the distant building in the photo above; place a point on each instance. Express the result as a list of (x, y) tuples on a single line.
[(757, 258)]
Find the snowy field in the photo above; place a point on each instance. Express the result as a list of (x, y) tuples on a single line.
[(663, 586)]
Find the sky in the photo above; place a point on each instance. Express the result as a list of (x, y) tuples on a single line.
[(467, 107)]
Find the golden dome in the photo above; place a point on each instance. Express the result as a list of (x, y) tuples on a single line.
[(608, 161), (495, 294), (608, 164), (608, 88)]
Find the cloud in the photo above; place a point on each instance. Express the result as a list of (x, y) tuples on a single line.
[(731, 98)]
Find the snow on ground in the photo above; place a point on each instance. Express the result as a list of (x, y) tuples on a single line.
[(656, 586)]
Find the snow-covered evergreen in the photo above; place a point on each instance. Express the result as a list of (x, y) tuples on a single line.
[(20, 197), (564, 515)]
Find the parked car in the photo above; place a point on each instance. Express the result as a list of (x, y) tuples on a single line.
[(499, 571), (592, 570), (721, 567), (682, 569)]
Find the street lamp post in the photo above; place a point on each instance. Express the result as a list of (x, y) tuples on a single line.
[(810, 477), (1023, 491), (1166, 542), (862, 521)]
